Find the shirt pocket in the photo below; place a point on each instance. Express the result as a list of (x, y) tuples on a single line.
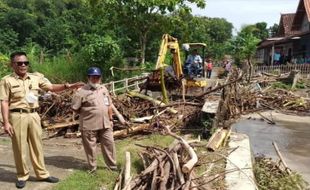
[(17, 93), (35, 89)]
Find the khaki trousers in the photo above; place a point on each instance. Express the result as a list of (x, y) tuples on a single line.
[(27, 134), (106, 139)]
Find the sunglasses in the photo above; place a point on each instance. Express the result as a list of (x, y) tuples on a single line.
[(21, 63)]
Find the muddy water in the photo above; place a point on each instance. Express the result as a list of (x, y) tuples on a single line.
[(292, 138)]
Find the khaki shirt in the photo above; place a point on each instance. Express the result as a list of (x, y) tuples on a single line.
[(16, 90), (93, 107)]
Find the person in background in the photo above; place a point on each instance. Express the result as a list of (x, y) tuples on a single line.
[(208, 67), (194, 62), (19, 93), (227, 66), (94, 105)]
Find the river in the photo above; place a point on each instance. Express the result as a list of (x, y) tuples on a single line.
[(292, 138)]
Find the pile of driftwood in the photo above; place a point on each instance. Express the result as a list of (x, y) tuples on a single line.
[(56, 108), (163, 168), (141, 112)]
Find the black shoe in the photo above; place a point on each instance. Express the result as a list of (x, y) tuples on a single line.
[(50, 179), (20, 184)]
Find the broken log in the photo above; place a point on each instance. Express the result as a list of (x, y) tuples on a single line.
[(127, 169), (62, 125), (118, 115), (131, 130), (217, 139)]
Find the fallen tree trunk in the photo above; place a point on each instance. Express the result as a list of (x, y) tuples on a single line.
[(131, 130), (62, 125)]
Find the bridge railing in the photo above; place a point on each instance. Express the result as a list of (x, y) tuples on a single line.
[(126, 84), (303, 68)]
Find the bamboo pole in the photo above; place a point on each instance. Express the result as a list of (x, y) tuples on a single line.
[(281, 157)]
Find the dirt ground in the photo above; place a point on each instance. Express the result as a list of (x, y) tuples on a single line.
[(62, 157)]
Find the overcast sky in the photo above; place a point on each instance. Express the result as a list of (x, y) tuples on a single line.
[(240, 12)]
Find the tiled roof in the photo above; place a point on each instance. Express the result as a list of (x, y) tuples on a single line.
[(302, 9), (286, 22)]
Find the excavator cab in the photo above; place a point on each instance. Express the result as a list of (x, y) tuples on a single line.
[(171, 76), (190, 69)]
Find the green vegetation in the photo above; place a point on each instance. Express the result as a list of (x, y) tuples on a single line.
[(67, 36), (270, 177), (281, 85), (81, 180)]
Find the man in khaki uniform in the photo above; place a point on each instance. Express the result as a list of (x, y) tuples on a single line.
[(94, 105), (19, 103)]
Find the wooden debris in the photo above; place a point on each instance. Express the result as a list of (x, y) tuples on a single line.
[(156, 102), (217, 139), (286, 168)]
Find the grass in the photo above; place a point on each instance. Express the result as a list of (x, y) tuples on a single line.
[(80, 180), (281, 85), (58, 70)]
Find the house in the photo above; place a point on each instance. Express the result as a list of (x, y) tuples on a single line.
[(292, 43)]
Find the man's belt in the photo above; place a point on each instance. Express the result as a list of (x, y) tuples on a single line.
[(32, 110)]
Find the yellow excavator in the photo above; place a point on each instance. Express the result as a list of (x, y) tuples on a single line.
[(171, 76)]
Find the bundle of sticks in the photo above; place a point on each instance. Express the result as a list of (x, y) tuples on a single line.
[(169, 168)]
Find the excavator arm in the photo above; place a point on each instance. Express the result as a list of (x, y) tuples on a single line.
[(170, 43)]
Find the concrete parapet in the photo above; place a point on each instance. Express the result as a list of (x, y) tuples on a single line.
[(239, 166)]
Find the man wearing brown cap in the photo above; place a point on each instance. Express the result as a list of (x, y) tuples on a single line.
[(94, 105), (19, 103)]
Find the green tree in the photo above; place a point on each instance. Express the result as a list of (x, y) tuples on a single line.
[(273, 30), (8, 40), (102, 51), (243, 48), (141, 16), (21, 22)]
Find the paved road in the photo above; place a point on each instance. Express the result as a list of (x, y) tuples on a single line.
[(62, 156)]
